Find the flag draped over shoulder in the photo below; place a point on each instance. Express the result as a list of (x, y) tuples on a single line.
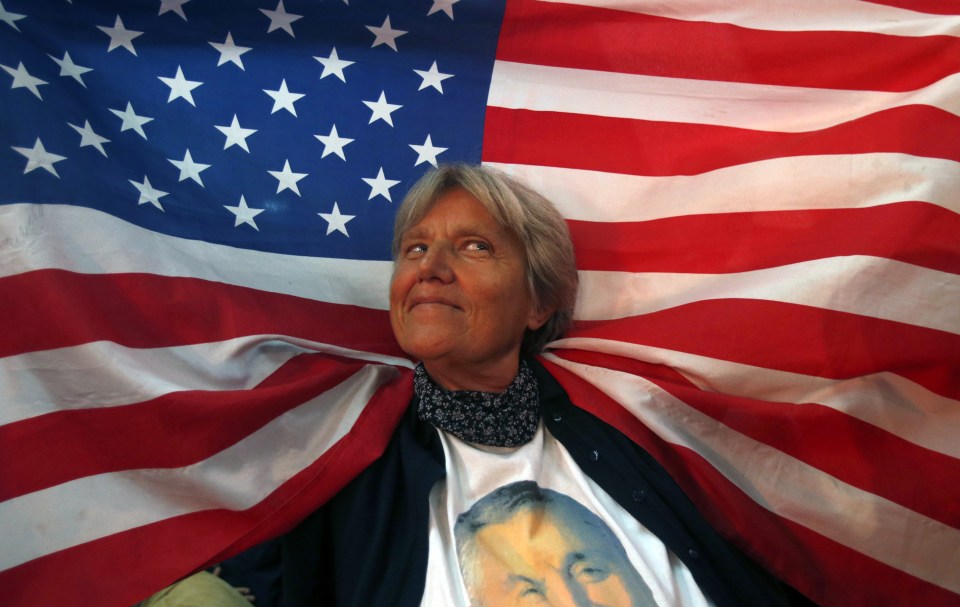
[(194, 259)]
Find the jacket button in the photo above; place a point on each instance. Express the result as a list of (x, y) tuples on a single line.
[(693, 553), (557, 417), (639, 495), (594, 455)]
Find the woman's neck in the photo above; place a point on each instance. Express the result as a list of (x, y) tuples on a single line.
[(486, 377)]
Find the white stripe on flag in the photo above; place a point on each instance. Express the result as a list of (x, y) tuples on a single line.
[(858, 284), (79, 239), (764, 107), (783, 15), (779, 184), (106, 374)]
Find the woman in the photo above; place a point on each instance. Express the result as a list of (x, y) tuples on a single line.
[(484, 277)]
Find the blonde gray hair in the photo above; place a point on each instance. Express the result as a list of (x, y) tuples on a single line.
[(550, 263)]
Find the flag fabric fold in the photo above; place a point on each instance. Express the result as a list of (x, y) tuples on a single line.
[(195, 226)]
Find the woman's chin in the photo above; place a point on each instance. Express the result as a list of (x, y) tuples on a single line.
[(428, 351), (428, 344)]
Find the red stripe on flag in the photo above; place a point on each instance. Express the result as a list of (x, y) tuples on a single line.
[(835, 443), (794, 338), (185, 310), (174, 430), (55, 579), (824, 438), (934, 7), (641, 147), (913, 232), (601, 39), (802, 557)]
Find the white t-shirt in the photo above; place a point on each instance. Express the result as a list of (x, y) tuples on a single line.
[(557, 540)]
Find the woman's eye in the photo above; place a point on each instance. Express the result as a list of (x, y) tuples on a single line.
[(476, 245), (417, 248)]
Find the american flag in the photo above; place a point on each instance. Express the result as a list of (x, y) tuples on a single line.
[(197, 201)]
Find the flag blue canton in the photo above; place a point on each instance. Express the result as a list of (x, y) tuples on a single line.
[(292, 127)]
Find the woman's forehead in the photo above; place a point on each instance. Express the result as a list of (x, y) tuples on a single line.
[(456, 210)]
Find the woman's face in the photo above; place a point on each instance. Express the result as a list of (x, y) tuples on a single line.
[(459, 297)]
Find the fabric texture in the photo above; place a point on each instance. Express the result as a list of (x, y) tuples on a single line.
[(763, 197), (507, 419)]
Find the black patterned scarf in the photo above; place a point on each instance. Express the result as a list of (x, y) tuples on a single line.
[(506, 419)]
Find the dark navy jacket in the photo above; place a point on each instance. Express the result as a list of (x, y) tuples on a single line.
[(368, 545)]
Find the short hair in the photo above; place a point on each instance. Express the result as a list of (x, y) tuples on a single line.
[(551, 267), (501, 504)]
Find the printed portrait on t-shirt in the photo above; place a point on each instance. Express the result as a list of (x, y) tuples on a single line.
[(525, 545)]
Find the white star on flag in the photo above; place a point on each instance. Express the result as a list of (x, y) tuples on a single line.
[(381, 110), (188, 168), (427, 152), (432, 77), (230, 51), (281, 19), (283, 99), (333, 143), (442, 5), (336, 221), (333, 65), (39, 158), (88, 137), (23, 79), (236, 134), (176, 6), (385, 34), (10, 18), (71, 69), (120, 36), (287, 179), (244, 214), (148, 193), (180, 87), (380, 185), (131, 120)]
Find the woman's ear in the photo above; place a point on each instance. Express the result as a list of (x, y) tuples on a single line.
[(538, 317)]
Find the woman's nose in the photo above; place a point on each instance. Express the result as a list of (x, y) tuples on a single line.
[(435, 265)]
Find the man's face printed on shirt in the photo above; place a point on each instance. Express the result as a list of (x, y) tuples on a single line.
[(551, 552)]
